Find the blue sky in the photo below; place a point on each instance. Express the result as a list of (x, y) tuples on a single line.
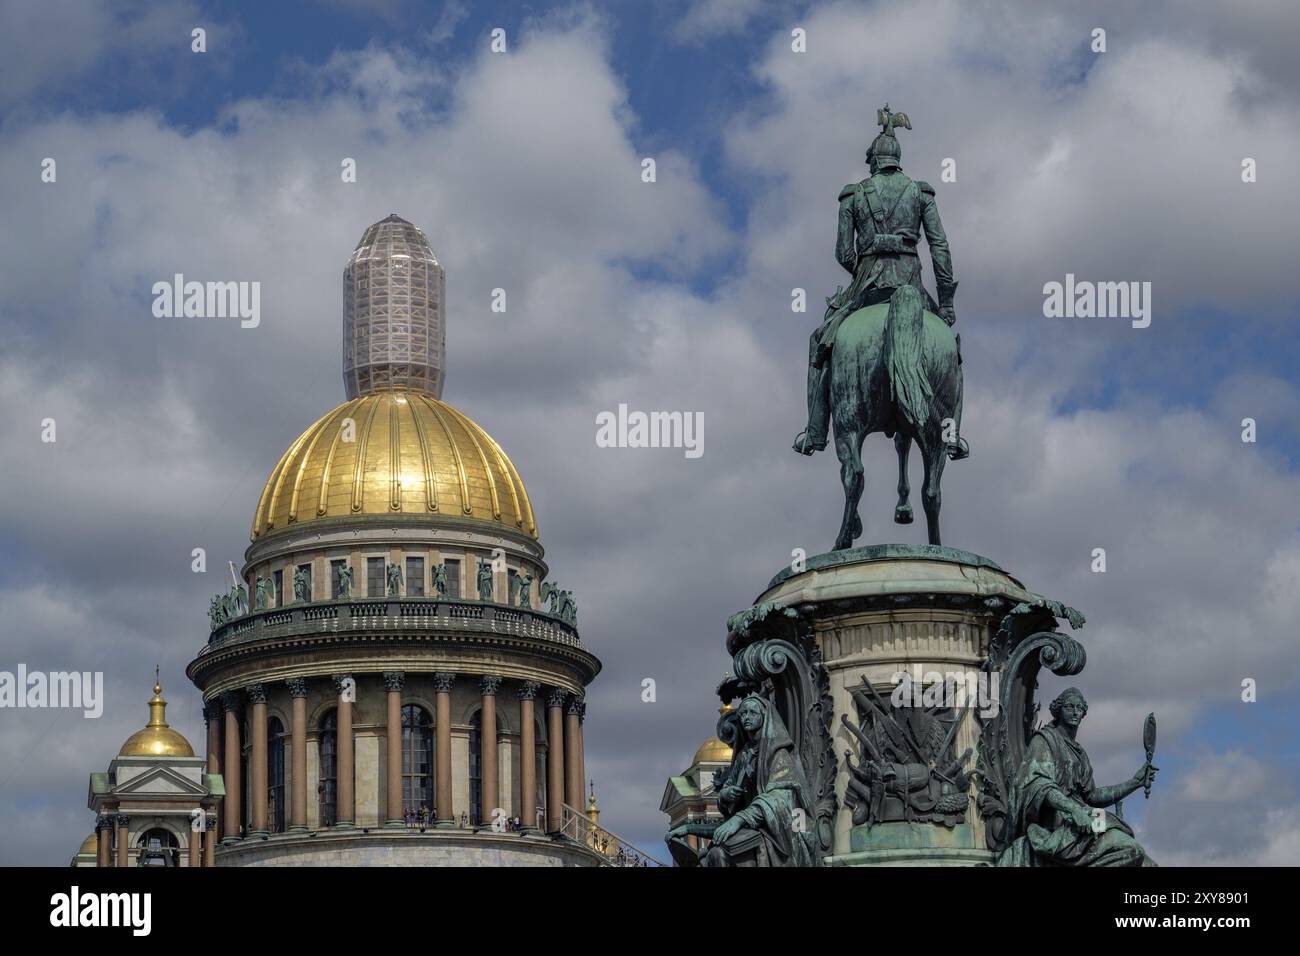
[(523, 171)]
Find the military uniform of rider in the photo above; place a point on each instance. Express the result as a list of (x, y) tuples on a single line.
[(881, 220)]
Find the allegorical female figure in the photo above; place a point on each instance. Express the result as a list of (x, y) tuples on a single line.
[(764, 797), (1057, 814)]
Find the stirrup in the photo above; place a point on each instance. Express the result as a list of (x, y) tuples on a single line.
[(805, 447), (958, 451)]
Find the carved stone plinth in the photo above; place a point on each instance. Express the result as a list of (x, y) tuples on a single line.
[(924, 610)]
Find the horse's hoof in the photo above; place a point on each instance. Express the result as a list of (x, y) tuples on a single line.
[(857, 528), (903, 514)]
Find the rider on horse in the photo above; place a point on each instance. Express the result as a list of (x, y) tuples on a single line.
[(881, 220)]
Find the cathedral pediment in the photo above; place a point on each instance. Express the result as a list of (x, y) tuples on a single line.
[(162, 781)]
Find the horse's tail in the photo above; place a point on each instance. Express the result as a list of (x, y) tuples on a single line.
[(908, 383)]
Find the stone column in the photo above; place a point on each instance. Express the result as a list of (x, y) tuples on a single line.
[(573, 754), (582, 749), (487, 736), (212, 715), (442, 684), (257, 812), (298, 783), (104, 844), (196, 845), (210, 842), (555, 758), (230, 774), (345, 806), (527, 755), (123, 839), (393, 682)]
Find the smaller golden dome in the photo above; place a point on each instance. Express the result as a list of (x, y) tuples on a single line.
[(89, 845), (156, 739), (714, 750)]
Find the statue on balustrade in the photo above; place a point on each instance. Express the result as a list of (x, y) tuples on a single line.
[(265, 592), (525, 586), (302, 585), (440, 580), (484, 580), (568, 608), (394, 573), (344, 576), (550, 595)]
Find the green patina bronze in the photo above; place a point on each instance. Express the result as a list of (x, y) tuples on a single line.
[(562, 603), (885, 358), (1057, 815), (394, 575), (344, 578), (265, 592), (761, 795), (226, 607), (523, 590), (908, 770), (777, 797)]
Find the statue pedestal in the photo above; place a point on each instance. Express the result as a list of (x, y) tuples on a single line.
[(914, 844), (879, 610)]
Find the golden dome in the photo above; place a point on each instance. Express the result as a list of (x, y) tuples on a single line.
[(714, 750), (157, 739), (410, 454), (89, 845)]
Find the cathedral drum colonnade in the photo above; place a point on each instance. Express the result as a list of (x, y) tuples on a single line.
[(387, 685)]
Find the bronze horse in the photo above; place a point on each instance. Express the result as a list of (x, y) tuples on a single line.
[(901, 378)]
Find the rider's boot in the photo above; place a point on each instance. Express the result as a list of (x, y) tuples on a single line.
[(813, 438)]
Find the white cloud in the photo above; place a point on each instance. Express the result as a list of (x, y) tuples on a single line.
[(1224, 778)]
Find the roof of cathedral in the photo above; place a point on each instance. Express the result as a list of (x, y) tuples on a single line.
[(157, 739), (394, 452), (712, 750)]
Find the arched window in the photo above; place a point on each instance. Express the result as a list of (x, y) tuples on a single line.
[(275, 774), (417, 760), (328, 742), (158, 847), (476, 768)]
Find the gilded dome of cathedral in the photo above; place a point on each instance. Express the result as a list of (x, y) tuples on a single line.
[(392, 452)]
